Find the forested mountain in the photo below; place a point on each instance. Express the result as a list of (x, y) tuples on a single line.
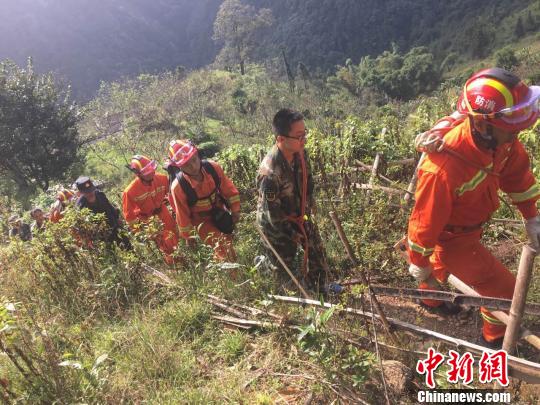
[(322, 33), (88, 41)]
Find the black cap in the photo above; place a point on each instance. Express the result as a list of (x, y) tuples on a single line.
[(85, 185)]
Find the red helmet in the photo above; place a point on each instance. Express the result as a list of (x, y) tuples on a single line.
[(141, 165), (180, 151), (501, 98), (64, 196)]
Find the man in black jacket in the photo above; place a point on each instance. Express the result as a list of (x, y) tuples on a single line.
[(97, 202)]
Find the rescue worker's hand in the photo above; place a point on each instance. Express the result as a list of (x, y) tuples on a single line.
[(419, 273), (235, 217), (429, 142), (532, 226)]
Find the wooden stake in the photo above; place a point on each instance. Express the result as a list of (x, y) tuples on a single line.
[(352, 258), (526, 264)]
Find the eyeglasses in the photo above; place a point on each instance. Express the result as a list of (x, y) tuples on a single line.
[(299, 138)]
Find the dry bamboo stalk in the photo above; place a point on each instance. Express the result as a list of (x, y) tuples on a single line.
[(412, 183), (253, 310), (246, 322), (402, 162), (352, 258), (526, 264), (524, 369), (375, 169)]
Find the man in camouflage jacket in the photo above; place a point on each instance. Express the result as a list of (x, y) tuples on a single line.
[(279, 208)]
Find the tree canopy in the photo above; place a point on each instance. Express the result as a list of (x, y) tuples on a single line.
[(393, 74), (38, 133), (236, 25)]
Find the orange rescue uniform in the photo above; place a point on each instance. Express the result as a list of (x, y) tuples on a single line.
[(198, 216), (141, 201), (454, 198)]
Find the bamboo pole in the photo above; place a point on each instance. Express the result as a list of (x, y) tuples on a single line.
[(526, 264), (350, 253), (414, 178), (374, 169)]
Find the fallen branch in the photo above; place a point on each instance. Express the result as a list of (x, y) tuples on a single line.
[(226, 308), (254, 311), (246, 322), (158, 274)]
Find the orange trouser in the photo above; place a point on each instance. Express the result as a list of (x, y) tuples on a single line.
[(466, 258), (211, 236), (169, 237)]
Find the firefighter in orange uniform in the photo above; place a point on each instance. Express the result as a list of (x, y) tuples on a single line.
[(63, 198), (205, 199), (457, 191), (145, 197)]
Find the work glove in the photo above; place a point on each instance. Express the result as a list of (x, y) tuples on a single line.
[(419, 273), (532, 226)]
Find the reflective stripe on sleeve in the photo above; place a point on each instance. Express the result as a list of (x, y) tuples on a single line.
[(473, 183), (420, 249), (532, 192)]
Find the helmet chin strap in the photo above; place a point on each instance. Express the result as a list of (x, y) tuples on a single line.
[(485, 140)]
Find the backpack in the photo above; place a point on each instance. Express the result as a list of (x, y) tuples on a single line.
[(221, 218)]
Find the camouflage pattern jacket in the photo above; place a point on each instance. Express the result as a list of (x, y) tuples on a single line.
[(279, 186)]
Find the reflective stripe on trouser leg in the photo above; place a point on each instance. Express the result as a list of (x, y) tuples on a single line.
[(492, 328)]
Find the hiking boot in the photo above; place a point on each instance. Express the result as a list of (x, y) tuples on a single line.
[(494, 345), (446, 308)]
